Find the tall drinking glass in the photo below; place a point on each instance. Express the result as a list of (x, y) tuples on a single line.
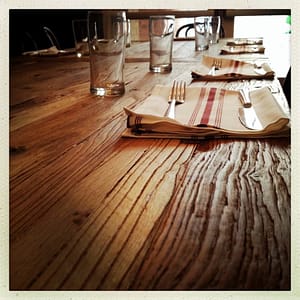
[(214, 26), (161, 31), (201, 33), (80, 33), (107, 43)]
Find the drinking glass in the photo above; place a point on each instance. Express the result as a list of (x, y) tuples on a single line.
[(201, 33), (214, 25), (107, 44), (128, 37), (80, 33), (161, 32)]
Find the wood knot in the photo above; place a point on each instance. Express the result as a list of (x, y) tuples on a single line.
[(80, 217), (17, 149)]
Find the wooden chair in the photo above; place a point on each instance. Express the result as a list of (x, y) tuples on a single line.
[(186, 27), (190, 26), (51, 37)]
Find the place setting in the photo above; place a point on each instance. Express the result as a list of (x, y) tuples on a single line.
[(218, 68), (245, 41), (51, 51), (181, 111), (243, 46)]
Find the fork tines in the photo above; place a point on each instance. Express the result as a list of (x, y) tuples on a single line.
[(216, 65), (178, 91), (182, 90), (177, 96)]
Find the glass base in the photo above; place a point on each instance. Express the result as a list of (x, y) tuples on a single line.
[(201, 48), (161, 68), (110, 90)]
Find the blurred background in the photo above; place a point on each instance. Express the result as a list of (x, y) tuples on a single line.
[(35, 29), (26, 28)]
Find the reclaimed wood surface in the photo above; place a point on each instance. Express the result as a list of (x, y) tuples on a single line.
[(90, 210)]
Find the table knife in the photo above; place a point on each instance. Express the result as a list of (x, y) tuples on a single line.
[(247, 114)]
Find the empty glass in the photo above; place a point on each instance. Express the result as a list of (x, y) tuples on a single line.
[(80, 33), (161, 32), (214, 25), (107, 43), (201, 33)]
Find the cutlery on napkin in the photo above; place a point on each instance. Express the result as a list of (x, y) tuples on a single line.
[(231, 70), (242, 49), (247, 114), (206, 112), (245, 41)]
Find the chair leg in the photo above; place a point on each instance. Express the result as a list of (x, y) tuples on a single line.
[(52, 38)]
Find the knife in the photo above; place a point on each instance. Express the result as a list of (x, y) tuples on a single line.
[(247, 114)]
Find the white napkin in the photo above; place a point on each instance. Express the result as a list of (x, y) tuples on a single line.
[(231, 70)]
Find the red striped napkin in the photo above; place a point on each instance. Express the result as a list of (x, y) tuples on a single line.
[(244, 41), (231, 70), (242, 49), (205, 112)]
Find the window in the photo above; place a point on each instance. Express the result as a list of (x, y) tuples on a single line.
[(276, 32)]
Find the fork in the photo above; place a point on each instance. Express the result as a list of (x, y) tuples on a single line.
[(216, 65), (177, 96)]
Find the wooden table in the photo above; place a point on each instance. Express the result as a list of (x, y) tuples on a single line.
[(91, 210)]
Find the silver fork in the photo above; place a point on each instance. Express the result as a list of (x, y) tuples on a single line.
[(177, 96), (216, 65)]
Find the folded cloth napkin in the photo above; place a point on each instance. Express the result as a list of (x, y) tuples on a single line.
[(245, 41), (206, 112), (231, 70), (242, 49), (52, 51)]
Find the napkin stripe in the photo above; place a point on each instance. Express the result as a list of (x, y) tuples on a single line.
[(208, 107), (195, 112), (138, 121), (220, 108), (235, 67)]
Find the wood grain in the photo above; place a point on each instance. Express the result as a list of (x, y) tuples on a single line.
[(90, 210)]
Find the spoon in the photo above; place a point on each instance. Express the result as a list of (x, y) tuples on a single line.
[(258, 68)]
